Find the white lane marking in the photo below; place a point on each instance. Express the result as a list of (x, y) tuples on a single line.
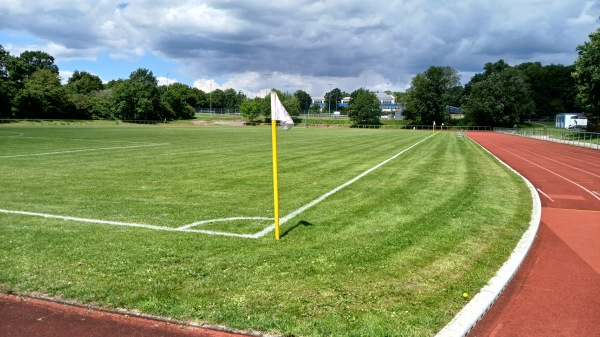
[(544, 194), (556, 174), (565, 164)]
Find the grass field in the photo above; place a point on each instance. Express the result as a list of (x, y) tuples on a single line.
[(390, 254)]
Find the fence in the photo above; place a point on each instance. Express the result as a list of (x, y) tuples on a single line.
[(574, 136)]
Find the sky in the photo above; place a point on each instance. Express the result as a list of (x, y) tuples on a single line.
[(254, 45)]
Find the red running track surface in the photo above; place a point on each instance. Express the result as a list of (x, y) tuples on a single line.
[(28, 317), (556, 292)]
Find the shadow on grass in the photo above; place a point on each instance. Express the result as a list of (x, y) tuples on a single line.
[(300, 223)]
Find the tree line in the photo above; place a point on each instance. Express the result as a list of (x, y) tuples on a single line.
[(501, 95)]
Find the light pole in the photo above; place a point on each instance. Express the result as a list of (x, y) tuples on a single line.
[(329, 100), (167, 81), (267, 84)]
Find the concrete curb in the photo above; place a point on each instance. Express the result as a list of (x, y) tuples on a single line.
[(466, 319)]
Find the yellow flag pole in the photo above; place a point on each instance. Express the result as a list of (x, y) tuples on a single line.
[(275, 178)]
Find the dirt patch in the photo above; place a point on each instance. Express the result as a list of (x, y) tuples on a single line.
[(218, 122)]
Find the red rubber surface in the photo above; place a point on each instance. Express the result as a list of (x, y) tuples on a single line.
[(556, 292), (28, 317)]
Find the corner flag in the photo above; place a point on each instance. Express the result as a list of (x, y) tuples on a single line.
[(278, 113)]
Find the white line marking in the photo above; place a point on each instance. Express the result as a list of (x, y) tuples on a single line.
[(71, 218), (556, 161), (187, 228), (138, 225), (82, 150), (544, 194), (198, 223), (556, 174), (335, 190), (18, 134)]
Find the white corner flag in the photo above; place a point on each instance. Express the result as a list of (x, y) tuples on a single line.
[(279, 113)]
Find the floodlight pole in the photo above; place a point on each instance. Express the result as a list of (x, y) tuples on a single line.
[(329, 100), (267, 84)]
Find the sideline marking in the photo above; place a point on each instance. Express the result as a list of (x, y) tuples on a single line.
[(335, 190), (82, 150), (187, 228), (544, 194)]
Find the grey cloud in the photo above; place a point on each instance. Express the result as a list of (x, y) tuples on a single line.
[(320, 38)]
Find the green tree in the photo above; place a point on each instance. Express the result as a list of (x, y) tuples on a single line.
[(178, 101), (430, 94), (7, 88), (290, 102), (29, 62), (364, 108), (250, 109), (216, 99), (553, 88), (137, 98), (83, 83), (333, 99), (232, 99), (201, 98), (587, 78), (304, 98), (42, 96), (501, 99)]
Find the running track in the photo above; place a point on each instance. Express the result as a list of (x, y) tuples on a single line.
[(556, 292)]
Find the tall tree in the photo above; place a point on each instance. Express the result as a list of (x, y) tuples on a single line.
[(31, 61), (364, 108), (501, 99), (83, 83), (587, 78), (178, 102), (333, 99), (137, 98), (552, 88), (429, 95), (7, 89), (304, 98), (42, 96)]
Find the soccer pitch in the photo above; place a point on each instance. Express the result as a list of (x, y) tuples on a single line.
[(382, 230)]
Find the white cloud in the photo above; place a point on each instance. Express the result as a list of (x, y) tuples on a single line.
[(305, 44)]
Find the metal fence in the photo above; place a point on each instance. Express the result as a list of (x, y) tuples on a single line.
[(567, 136)]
